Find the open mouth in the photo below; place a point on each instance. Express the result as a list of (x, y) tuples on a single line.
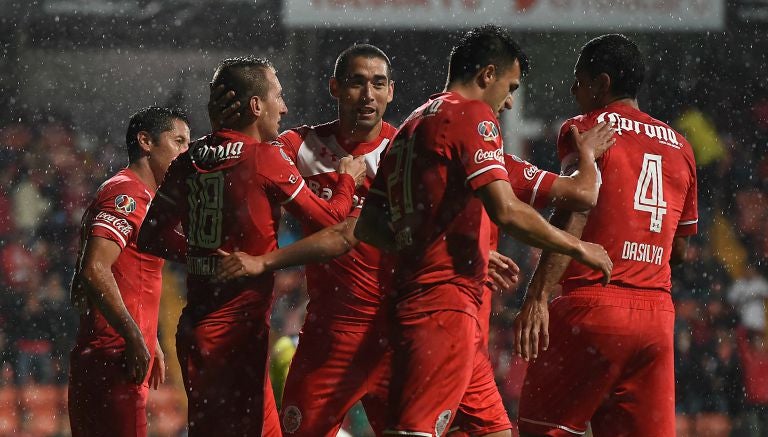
[(366, 111)]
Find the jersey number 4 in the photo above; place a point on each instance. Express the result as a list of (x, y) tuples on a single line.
[(206, 198), (649, 194)]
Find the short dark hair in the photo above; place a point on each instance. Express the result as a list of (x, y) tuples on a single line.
[(358, 50), (154, 120), (245, 75), (483, 46), (618, 57)]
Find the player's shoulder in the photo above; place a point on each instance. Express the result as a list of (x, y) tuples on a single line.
[(388, 130), (271, 156), (124, 182)]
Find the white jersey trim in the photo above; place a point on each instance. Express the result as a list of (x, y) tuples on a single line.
[(113, 230), (553, 425), (688, 222), (295, 193), (536, 187), (395, 432), (483, 170)]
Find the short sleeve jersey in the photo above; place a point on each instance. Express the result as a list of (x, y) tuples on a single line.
[(445, 151), (530, 184), (647, 197), (228, 190), (116, 214), (344, 291)]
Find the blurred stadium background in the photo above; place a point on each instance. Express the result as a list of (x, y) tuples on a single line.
[(72, 72)]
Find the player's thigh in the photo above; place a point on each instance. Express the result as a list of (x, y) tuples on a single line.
[(102, 401), (433, 360), (643, 401), (376, 399), (327, 376), (481, 411), (566, 383)]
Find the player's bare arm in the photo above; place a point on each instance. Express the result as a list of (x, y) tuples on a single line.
[(525, 224), (321, 246), (100, 287), (532, 323), (577, 188)]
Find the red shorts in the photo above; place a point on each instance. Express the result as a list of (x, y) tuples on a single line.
[(271, 419), (224, 365), (482, 410), (332, 370), (610, 362), (434, 355), (102, 401)]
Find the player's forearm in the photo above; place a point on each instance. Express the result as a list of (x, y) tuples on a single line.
[(166, 243), (321, 246), (578, 191), (101, 289), (525, 224), (343, 197), (552, 265)]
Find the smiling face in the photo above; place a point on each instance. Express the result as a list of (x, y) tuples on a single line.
[(363, 92)]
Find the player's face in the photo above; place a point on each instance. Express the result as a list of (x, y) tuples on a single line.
[(499, 92), (584, 90), (272, 109), (169, 145), (363, 92)]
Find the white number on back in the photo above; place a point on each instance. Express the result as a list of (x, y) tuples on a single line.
[(649, 194)]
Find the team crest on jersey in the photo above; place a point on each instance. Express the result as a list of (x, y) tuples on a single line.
[(488, 130), (442, 422), (125, 204), (291, 419), (285, 156)]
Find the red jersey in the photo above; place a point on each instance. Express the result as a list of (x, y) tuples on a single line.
[(445, 151), (647, 197), (116, 214), (530, 184), (346, 289), (227, 191)]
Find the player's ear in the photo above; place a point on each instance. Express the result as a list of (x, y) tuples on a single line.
[(333, 87), (145, 141), (255, 105), (603, 81), (486, 75), (391, 92)]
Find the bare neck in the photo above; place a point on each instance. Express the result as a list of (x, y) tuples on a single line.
[(144, 171)]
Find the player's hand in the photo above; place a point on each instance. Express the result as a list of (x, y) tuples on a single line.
[(136, 359), (532, 328), (157, 372), (503, 272), (222, 108), (354, 167), (594, 256), (237, 265), (594, 142)]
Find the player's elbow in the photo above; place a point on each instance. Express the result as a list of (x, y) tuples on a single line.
[(577, 198), (90, 273)]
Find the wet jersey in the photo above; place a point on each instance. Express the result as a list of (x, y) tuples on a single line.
[(647, 197), (227, 191), (116, 214), (445, 151), (346, 289)]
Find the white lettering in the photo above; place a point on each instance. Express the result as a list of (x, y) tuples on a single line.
[(205, 154), (488, 155), (663, 134), (642, 252)]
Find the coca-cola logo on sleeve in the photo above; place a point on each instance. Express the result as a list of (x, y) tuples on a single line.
[(120, 224), (489, 155)]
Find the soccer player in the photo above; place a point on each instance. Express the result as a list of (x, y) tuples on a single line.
[(227, 191), (340, 358), (604, 354), (117, 356), (426, 206)]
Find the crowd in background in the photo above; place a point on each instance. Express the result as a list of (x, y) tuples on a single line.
[(49, 171)]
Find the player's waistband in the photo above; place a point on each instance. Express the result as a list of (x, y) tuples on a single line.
[(202, 265), (646, 299)]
